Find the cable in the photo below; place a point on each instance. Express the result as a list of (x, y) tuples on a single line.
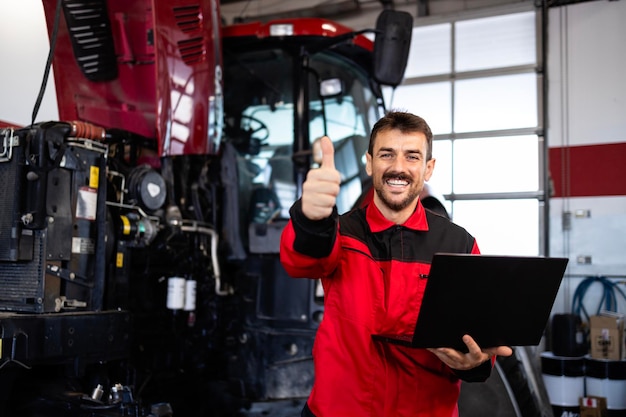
[(46, 74), (609, 295)]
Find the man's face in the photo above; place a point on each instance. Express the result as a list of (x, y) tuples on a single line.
[(398, 168)]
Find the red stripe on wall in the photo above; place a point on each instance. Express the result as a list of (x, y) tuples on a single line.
[(587, 171)]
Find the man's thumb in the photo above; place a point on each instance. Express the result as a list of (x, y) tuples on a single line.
[(328, 153)]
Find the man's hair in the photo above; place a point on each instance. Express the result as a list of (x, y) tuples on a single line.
[(405, 122)]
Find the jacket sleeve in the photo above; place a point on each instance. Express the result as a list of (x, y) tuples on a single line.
[(475, 250), (309, 248), (478, 374)]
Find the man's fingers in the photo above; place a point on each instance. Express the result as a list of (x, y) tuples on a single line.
[(328, 153), (475, 350), (493, 351), (320, 190), (471, 344), (500, 351)]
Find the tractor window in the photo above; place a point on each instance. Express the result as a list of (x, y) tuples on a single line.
[(260, 113)]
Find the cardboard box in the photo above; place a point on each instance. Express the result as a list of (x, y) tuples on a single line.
[(607, 336), (593, 406)]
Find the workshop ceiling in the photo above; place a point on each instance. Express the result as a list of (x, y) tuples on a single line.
[(339, 10), (358, 13)]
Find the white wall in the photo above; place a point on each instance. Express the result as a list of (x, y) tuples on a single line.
[(23, 54), (586, 67), (587, 106)]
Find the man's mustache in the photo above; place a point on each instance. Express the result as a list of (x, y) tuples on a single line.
[(397, 176)]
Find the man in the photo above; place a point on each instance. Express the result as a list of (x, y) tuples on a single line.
[(373, 262)]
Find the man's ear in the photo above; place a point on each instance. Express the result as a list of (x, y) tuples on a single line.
[(368, 163), (430, 167)]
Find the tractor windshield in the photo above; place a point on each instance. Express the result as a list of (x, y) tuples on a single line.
[(333, 97)]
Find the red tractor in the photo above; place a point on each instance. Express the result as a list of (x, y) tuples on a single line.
[(139, 265)]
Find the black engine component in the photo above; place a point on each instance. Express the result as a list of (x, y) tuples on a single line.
[(56, 256)]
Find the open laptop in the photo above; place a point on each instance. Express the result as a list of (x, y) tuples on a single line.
[(498, 300)]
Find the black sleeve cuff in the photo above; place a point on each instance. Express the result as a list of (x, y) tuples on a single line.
[(314, 238), (478, 374)]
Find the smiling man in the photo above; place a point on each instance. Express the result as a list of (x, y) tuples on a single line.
[(399, 160), (373, 262)]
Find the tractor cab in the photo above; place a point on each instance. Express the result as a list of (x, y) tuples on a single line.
[(287, 83)]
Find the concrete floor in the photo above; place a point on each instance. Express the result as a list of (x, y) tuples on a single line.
[(285, 408)]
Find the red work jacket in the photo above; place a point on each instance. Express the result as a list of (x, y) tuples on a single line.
[(372, 271)]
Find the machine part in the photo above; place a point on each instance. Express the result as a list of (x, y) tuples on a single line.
[(62, 303), (117, 393), (88, 25), (56, 222), (87, 130), (49, 338), (47, 151), (96, 395), (182, 129), (9, 140), (11, 180), (173, 216), (23, 284), (175, 293), (146, 188), (194, 227), (282, 359), (161, 410), (264, 206), (138, 229), (190, 295)]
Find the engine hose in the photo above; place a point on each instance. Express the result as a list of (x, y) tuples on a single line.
[(194, 227), (87, 130)]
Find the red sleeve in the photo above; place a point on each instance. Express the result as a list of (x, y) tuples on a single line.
[(475, 249), (301, 265)]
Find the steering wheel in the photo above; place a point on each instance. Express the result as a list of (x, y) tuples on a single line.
[(251, 125)]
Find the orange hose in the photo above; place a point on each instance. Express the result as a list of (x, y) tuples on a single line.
[(87, 130)]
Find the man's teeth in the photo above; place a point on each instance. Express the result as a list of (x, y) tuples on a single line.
[(397, 182)]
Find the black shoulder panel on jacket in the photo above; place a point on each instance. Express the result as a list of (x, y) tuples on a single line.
[(404, 244)]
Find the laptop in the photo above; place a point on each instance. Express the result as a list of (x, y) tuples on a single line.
[(498, 300)]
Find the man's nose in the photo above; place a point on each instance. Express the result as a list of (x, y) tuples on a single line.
[(399, 164)]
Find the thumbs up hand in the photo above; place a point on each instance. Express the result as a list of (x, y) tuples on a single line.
[(320, 190)]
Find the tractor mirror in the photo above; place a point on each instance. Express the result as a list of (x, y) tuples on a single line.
[(391, 46)]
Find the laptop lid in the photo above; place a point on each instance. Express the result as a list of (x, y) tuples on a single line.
[(498, 300)]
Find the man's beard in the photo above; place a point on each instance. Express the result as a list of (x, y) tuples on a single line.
[(395, 205)]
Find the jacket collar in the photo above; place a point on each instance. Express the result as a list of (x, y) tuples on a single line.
[(378, 222)]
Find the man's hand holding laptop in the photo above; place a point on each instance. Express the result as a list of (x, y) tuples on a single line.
[(473, 358)]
